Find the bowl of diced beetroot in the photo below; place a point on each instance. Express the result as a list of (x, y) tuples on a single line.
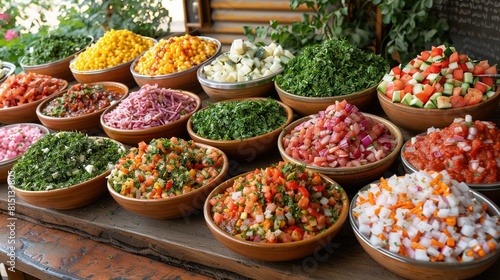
[(349, 146), (436, 87)]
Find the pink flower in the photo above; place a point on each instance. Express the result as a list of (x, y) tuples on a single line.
[(10, 34), (4, 17)]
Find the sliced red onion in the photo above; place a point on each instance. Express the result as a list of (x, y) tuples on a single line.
[(363, 123), (438, 153), (449, 142), (458, 138), (344, 144), (348, 107), (366, 141)]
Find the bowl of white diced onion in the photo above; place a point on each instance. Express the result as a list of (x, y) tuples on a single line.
[(246, 70)]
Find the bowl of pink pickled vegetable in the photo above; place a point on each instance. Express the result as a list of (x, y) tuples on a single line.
[(15, 140), (425, 225), (351, 147), (150, 112)]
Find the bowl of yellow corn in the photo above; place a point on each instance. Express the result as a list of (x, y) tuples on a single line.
[(110, 57), (173, 62)]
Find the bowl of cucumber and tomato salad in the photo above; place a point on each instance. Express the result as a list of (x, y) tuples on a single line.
[(334, 70), (436, 87)]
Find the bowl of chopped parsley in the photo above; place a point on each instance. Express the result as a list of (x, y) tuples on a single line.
[(242, 128), (64, 170), (51, 54), (334, 70)]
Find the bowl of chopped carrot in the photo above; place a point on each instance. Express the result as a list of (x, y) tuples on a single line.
[(169, 178), (425, 225), (281, 212), (21, 94)]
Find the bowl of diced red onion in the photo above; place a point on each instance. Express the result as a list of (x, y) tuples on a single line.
[(150, 112), (15, 140), (425, 225), (351, 147)]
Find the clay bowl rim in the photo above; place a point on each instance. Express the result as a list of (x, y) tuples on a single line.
[(180, 73), (478, 187), (233, 85), (330, 99), (154, 129), (161, 201), (42, 128), (12, 68), (42, 105), (427, 264), (55, 62), (272, 246), (345, 170), (288, 111)]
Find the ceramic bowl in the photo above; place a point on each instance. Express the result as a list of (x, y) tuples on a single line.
[(312, 105), (246, 149), (119, 74), (66, 198), (414, 269), (26, 112), (58, 69), (491, 190), (11, 68), (87, 122), (185, 80), (171, 207), (353, 177), (132, 137), (419, 119), (273, 251), (220, 91), (6, 165)]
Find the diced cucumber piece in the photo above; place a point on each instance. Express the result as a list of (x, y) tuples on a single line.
[(457, 83), (424, 65), (418, 76), (484, 98), (417, 63), (435, 96), (396, 96), (453, 65), (448, 51), (430, 105), (489, 93), (437, 58), (382, 86), (433, 77), (388, 78), (443, 102), (470, 66), (416, 102), (465, 86), (407, 98), (447, 88), (418, 88)]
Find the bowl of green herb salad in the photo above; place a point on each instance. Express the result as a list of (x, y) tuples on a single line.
[(64, 170), (51, 54), (242, 128), (334, 70)]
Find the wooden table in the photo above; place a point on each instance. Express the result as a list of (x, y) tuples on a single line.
[(55, 244)]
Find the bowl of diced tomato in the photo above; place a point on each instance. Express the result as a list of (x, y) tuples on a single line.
[(424, 225), (351, 147), (437, 86), (278, 213), (167, 178), (21, 94)]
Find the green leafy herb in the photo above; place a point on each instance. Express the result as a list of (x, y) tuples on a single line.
[(236, 120), (333, 68), (54, 47)]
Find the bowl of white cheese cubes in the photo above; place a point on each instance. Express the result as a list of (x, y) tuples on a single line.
[(246, 70)]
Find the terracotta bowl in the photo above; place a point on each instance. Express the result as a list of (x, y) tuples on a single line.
[(353, 177), (172, 207), (66, 198), (119, 74), (492, 190), (273, 251), (132, 137), (26, 112), (6, 165), (312, 105), (414, 269), (220, 91), (419, 119), (58, 69), (246, 149), (185, 80), (87, 122), (11, 68)]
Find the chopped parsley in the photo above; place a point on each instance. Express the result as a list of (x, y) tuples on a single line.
[(55, 47)]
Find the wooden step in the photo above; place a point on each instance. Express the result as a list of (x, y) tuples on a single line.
[(275, 5), (236, 16)]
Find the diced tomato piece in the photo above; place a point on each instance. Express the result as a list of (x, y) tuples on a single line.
[(396, 70), (458, 74), (464, 67), (408, 88), (413, 71), (478, 70), (429, 90), (457, 101), (422, 96), (463, 58), (398, 85), (454, 57), (389, 90), (292, 185), (484, 63), (436, 51), (424, 55), (433, 68), (457, 91), (491, 70), (473, 96), (482, 87), (439, 87), (489, 81), (302, 190), (405, 78), (443, 63)]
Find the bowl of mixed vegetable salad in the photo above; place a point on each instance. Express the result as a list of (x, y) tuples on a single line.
[(469, 150), (436, 87), (15, 140), (425, 225), (6, 69), (51, 54), (332, 71), (150, 112), (167, 178), (277, 213), (81, 106), (351, 147), (243, 128), (246, 70), (64, 170)]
